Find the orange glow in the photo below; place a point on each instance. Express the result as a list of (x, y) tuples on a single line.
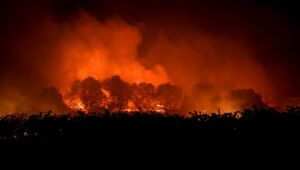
[(101, 50), (75, 104), (104, 49), (86, 47)]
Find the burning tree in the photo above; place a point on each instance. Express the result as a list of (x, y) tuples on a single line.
[(120, 92), (143, 96), (114, 94), (86, 95), (170, 96), (91, 94)]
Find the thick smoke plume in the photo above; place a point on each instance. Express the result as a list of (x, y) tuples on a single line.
[(59, 53), (86, 60)]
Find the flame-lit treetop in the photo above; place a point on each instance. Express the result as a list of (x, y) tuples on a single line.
[(114, 94)]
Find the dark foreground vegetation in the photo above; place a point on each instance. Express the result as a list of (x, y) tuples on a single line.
[(105, 126), (112, 135)]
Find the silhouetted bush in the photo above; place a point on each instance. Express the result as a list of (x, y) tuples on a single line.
[(100, 126)]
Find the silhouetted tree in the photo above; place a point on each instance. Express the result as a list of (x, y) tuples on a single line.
[(119, 90), (143, 95), (51, 99), (91, 94), (170, 96), (247, 98)]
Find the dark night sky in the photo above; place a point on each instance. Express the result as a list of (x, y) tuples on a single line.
[(271, 28)]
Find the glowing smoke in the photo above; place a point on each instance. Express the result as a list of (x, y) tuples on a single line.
[(51, 53)]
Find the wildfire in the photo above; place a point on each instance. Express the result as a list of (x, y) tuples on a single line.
[(91, 95), (94, 96), (106, 49), (75, 104), (160, 108)]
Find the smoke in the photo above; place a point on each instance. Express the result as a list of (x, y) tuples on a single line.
[(103, 49), (211, 54), (55, 54), (219, 65)]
